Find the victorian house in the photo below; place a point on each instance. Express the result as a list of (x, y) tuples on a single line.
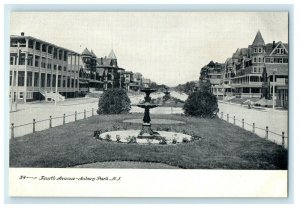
[(252, 72)]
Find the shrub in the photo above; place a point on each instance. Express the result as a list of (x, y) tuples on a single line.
[(108, 137), (163, 140), (132, 140), (118, 138), (185, 140), (114, 101), (201, 103)]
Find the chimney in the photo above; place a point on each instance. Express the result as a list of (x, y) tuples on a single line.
[(273, 44), (22, 33)]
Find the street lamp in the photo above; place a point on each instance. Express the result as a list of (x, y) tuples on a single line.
[(274, 72)]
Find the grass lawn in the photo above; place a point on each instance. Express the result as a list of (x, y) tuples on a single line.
[(222, 145)]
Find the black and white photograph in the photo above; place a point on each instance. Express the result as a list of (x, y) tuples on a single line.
[(149, 91)]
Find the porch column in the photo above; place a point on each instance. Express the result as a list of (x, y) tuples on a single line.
[(52, 68), (25, 76), (40, 66)]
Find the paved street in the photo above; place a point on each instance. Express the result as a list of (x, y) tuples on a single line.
[(277, 120)]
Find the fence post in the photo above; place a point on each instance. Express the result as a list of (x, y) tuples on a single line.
[(234, 120), (253, 129), (243, 123), (92, 111), (33, 125), (282, 142), (12, 130), (221, 115), (75, 115), (50, 122), (84, 114), (64, 119), (267, 132), (227, 117)]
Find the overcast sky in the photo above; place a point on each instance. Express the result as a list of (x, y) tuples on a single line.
[(169, 48)]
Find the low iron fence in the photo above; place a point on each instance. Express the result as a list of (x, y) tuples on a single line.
[(38, 125), (264, 132)]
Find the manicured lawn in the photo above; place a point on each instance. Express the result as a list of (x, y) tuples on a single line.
[(222, 146)]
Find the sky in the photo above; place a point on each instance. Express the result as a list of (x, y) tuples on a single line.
[(167, 47)]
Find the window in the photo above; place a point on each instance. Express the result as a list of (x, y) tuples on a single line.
[(50, 49), (12, 60), (37, 46), (44, 48), (259, 60), (43, 62), (36, 79), (255, 50), (259, 50), (29, 79), (55, 53), (254, 69), (37, 61), (22, 59), (21, 95), (280, 50), (30, 60), (21, 76), (30, 44), (254, 60)]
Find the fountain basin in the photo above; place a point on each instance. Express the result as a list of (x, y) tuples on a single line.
[(147, 105), (124, 137)]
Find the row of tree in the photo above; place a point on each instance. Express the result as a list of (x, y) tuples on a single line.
[(201, 102)]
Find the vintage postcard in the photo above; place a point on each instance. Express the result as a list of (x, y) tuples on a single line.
[(148, 104)]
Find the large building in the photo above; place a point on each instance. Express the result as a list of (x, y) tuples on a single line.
[(41, 70), (252, 72), (213, 73), (38, 68)]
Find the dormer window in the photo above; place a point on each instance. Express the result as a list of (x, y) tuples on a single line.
[(280, 50)]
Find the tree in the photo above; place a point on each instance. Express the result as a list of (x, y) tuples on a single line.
[(201, 103), (114, 101)]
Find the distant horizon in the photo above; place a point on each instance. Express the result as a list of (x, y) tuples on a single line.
[(166, 47)]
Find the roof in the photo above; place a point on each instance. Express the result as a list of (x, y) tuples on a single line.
[(100, 71), (258, 40), (42, 41), (128, 72), (269, 48), (236, 54), (93, 54), (86, 52), (244, 51), (281, 69), (112, 55)]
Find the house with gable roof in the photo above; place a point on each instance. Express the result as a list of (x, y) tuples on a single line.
[(250, 71)]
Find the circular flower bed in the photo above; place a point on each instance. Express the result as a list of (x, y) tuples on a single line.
[(130, 136)]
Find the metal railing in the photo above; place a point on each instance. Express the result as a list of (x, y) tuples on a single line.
[(253, 128), (49, 122)]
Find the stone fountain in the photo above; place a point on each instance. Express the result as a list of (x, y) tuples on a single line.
[(147, 132)]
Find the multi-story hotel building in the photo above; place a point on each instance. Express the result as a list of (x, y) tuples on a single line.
[(254, 71), (39, 69), (213, 73)]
